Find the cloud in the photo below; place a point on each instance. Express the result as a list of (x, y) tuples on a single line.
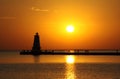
[(7, 17), (39, 10)]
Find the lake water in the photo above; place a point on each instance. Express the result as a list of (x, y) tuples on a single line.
[(15, 66)]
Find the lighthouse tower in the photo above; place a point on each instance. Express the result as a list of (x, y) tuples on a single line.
[(36, 43)]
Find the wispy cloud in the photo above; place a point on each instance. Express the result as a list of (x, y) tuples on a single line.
[(39, 10), (7, 17)]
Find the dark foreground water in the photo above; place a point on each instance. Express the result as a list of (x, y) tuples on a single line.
[(59, 71)]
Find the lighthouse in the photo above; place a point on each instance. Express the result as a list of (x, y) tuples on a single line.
[(36, 43)]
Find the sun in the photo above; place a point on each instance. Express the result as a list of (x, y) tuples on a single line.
[(70, 59), (70, 28)]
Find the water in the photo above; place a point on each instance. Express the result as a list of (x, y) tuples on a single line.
[(59, 71), (14, 66)]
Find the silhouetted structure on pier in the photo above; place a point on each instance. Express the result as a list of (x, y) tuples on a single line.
[(36, 50), (36, 43)]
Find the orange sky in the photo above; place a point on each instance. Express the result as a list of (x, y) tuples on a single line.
[(96, 22)]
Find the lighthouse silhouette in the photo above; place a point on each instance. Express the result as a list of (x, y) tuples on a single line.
[(36, 44)]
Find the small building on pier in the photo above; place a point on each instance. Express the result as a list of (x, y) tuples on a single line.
[(36, 44)]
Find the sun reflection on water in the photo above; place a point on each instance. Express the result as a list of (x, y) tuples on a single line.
[(70, 69), (70, 59)]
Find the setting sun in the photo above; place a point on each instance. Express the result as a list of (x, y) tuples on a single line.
[(70, 59), (70, 28)]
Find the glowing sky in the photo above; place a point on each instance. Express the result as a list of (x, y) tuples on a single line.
[(96, 22)]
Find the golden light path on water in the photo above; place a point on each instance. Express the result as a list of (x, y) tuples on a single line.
[(70, 69), (70, 59)]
